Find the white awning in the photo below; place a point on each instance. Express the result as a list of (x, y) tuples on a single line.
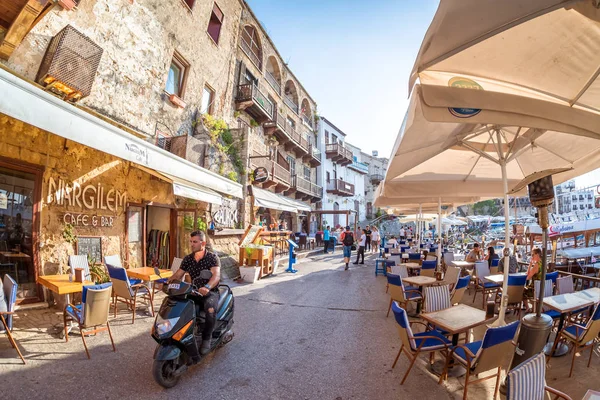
[(32, 105), (266, 199), (300, 206)]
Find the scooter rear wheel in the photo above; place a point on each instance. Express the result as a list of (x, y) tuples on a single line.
[(164, 373)]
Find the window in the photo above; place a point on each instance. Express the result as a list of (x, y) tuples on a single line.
[(215, 23), (177, 76), (306, 173), (190, 3), (326, 137), (334, 139), (251, 45), (208, 97), (574, 208), (249, 78), (291, 123), (327, 177)]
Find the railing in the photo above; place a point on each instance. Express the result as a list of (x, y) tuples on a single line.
[(316, 190), (307, 121), (316, 153), (338, 149), (249, 91), (339, 185), (290, 103), (302, 184), (281, 173), (256, 60), (377, 177), (303, 142), (360, 166), (581, 282), (273, 82)]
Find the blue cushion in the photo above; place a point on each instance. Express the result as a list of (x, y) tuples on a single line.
[(572, 330), (491, 285), (9, 287), (552, 314), (75, 313), (431, 344), (463, 282), (412, 295), (134, 281), (500, 334), (473, 347), (163, 280)]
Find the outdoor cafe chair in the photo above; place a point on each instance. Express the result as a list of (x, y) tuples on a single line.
[(494, 268), (115, 261), (91, 313), (548, 292), (495, 351), (459, 290), (581, 336), (414, 257), (451, 276), (9, 300), (128, 293), (414, 344), (428, 268), (398, 292), (528, 381), (516, 289), (12, 268), (481, 285), (448, 257), (80, 261)]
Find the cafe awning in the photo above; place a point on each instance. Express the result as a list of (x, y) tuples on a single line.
[(28, 103), (266, 199), (300, 206)]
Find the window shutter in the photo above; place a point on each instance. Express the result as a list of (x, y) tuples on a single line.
[(218, 12)]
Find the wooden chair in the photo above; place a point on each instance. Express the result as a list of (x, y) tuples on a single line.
[(516, 288), (451, 276), (495, 266), (495, 351), (428, 268), (459, 290), (91, 313), (399, 293), (482, 270), (414, 344), (528, 381), (128, 293), (548, 291), (581, 336), (9, 288), (80, 261)]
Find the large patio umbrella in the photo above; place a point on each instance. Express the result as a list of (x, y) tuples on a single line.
[(460, 142), (545, 49)]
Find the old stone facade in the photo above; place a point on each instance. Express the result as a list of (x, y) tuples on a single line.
[(377, 168)]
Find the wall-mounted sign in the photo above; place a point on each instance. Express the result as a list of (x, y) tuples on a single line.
[(95, 221), (140, 154), (260, 175), (90, 197), (227, 214), (3, 201)]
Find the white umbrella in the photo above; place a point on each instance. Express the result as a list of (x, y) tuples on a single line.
[(545, 49), (490, 141)]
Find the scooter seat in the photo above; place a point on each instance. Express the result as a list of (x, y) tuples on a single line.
[(223, 293)]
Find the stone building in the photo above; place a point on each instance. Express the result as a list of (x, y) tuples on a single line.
[(276, 116), (377, 167)]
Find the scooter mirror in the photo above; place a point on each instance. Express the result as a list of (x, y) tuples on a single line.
[(206, 274)]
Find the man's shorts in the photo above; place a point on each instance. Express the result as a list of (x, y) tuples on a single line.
[(347, 251)]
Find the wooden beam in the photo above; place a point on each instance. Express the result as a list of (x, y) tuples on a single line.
[(21, 26)]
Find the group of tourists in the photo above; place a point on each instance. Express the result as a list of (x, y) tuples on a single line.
[(363, 240)]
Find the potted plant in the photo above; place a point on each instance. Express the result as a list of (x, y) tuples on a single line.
[(248, 272)]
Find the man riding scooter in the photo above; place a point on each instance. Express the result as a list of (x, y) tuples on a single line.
[(201, 259)]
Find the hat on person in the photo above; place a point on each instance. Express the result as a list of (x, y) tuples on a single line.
[(348, 228)]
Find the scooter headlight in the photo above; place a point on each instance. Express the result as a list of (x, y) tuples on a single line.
[(163, 326)]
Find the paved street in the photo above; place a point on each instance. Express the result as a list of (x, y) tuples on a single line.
[(320, 334)]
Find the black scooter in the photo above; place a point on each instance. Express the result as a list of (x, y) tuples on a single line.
[(178, 329)]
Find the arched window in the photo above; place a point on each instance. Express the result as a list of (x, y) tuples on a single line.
[(251, 45)]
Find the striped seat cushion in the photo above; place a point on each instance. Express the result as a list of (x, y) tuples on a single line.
[(527, 380), (437, 298)]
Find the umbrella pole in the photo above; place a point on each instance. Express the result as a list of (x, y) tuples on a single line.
[(439, 229), (504, 302), (418, 228)]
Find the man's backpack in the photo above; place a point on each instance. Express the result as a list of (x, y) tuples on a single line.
[(348, 239)]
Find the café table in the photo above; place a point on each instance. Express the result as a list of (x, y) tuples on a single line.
[(591, 395), (591, 294), (564, 303), (455, 320), (20, 255), (61, 285), (498, 278), (147, 274), (463, 264), (419, 281)]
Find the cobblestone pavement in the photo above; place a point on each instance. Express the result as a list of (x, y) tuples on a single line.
[(319, 334)]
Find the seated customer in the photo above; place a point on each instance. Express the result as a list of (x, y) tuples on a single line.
[(393, 241), (475, 254), (491, 255)]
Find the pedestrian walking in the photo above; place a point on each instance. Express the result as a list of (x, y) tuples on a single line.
[(347, 239), (375, 238), (402, 233), (326, 239), (368, 232), (361, 247)]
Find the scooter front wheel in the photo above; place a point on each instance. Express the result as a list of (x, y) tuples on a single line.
[(164, 372)]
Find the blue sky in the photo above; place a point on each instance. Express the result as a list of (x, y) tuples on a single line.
[(354, 58)]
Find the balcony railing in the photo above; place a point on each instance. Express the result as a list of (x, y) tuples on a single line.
[(249, 91), (273, 82), (281, 173), (307, 121), (317, 191), (340, 187), (256, 60), (304, 142), (376, 178), (305, 186), (277, 173), (360, 167), (316, 153), (290, 103), (339, 154)]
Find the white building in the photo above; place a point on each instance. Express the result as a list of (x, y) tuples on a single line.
[(568, 200), (356, 173), (377, 167), (338, 180)]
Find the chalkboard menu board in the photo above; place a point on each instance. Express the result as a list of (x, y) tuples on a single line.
[(90, 245)]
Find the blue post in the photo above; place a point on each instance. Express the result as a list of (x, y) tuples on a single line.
[(291, 256)]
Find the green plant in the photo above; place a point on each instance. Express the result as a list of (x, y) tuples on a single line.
[(236, 114), (253, 123), (99, 273), (249, 252), (201, 224), (68, 234), (233, 176)]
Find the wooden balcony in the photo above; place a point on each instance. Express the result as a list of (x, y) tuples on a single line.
[(287, 135), (279, 175), (376, 178), (315, 156), (290, 103), (306, 190), (250, 99), (338, 154), (340, 188)]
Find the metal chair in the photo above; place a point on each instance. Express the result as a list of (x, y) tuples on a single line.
[(9, 288), (80, 261), (581, 336), (494, 351), (459, 290), (91, 313), (482, 270), (399, 293), (128, 292), (528, 381), (415, 343), (428, 268)]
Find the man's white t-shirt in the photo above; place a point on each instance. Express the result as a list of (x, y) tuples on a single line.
[(402, 232), (375, 236), (363, 240)]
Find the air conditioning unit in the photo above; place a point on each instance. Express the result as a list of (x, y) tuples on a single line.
[(70, 64)]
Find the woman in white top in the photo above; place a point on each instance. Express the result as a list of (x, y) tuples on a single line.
[(375, 239), (361, 247)]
